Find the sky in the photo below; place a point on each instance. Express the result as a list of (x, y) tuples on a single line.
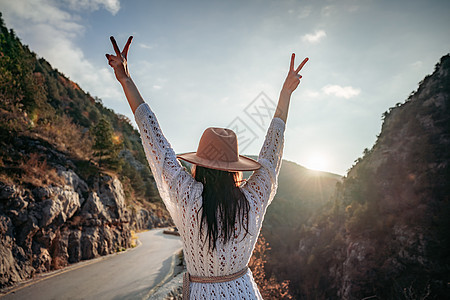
[(213, 63)]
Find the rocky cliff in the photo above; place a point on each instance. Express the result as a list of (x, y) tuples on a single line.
[(301, 193), (385, 234), (74, 181), (47, 228), (397, 201)]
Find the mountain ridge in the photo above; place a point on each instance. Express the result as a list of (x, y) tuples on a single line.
[(385, 232), (74, 181)]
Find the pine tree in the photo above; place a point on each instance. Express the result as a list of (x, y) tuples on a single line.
[(104, 145)]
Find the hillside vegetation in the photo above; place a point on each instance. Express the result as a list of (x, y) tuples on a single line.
[(74, 181), (41, 105), (385, 232)]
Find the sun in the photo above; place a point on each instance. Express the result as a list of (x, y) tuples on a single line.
[(317, 162)]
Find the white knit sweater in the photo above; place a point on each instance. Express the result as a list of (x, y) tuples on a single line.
[(182, 196)]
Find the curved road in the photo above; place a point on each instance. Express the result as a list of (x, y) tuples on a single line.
[(128, 275)]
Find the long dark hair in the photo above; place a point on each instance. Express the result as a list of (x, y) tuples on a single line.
[(222, 201)]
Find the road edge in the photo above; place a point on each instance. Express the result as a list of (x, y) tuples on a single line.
[(43, 276), (177, 261)]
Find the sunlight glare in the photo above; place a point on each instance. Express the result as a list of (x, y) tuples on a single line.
[(317, 162)]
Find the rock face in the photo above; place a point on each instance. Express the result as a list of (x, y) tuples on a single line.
[(61, 200), (397, 198), (142, 218), (47, 228), (385, 234)]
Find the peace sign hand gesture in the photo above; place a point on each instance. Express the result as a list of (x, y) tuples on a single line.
[(119, 61), (293, 78)]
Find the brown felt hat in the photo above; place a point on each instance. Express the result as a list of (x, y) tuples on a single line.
[(218, 149)]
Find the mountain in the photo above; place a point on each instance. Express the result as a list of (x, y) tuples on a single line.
[(74, 180), (385, 232), (301, 193)]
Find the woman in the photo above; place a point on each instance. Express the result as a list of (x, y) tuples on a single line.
[(218, 217)]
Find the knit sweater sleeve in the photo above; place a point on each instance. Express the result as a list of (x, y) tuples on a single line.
[(172, 180), (263, 183)]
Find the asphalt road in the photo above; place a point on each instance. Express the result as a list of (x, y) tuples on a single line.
[(128, 275)]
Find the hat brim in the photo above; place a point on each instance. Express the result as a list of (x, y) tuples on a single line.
[(243, 164)]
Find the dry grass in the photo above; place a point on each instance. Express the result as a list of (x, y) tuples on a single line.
[(67, 137), (37, 172), (6, 179)]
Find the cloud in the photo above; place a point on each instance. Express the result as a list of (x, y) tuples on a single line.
[(305, 12), (314, 37), (311, 94), (113, 6), (51, 30), (417, 64), (145, 46), (157, 87), (301, 13), (341, 91), (41, 12), (328, 10), (353, 8)]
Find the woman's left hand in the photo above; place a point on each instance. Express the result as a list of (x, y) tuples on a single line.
[(293, 78), (119, 61)]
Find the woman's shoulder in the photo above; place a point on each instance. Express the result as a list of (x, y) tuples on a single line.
[(192, 192), (251, 198)]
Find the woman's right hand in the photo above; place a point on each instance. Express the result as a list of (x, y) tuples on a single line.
[(119, 61), (290, 84)]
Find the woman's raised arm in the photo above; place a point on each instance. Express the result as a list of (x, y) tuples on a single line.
[(119, 63), (264, 181), (171, 178), (290, 84)]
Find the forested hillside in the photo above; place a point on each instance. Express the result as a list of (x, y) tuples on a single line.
[(38, 101), (74, 180), (301, 194), (385, 232)]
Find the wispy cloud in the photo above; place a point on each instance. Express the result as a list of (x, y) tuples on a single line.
[(311, 94), (113, 6), (302, 12), (353, 8), (39, 12), (417, 64), (328, 10), (341, 91), (145, 46), (314, 37), (53, 29)]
